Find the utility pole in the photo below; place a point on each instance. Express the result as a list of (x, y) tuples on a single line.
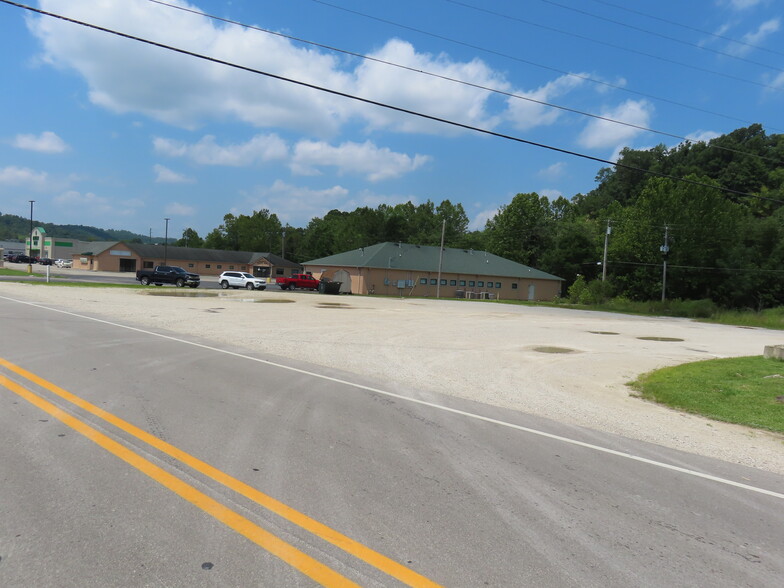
[(665, 249), (30, 261), (604, 259), (440, 259), (166, 243)]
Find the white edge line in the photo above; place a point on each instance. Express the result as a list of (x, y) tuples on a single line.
[(423, 403)]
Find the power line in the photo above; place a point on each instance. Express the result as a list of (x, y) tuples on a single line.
[(450, 79), (653, 33), (608, 44), (687, 27), (387, 106), (697, 267), (539, 65)]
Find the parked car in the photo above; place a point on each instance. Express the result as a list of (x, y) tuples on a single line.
[(20, 259), (241, 280), (304, 281), (45, 261), (168, 274), (63, 262)]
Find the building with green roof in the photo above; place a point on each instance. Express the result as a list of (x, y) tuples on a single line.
[(420, 270)]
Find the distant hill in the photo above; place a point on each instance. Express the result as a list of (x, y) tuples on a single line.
[(13, 227)]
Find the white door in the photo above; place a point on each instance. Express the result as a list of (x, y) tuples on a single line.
[(345, 278), (531, 292)]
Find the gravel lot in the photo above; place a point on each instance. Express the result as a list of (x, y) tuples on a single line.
[(570, 366)]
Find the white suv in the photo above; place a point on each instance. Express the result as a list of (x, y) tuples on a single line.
[(241, 280), (63, 263)]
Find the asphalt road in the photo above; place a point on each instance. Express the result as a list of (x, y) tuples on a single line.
[(77, 275), (135, 459)]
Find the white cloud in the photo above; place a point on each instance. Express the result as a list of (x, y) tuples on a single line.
[(741, 4), (435, 96), (553, 171), (260, 149), (755, 38), (480, 219), (46, 142), (295, 204), (25, 177), (88, 201), (179, 209), (702, 136), (604, 133), (764, 30), (82, 206), (551, 193), (526, 114), (163, 175), (777, 81), (362, 158), (124, 76), (133, 203)]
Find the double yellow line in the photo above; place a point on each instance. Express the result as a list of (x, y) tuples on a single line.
[(268, 541)]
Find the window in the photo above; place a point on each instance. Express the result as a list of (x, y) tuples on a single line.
[(480, 284), (433, 281), (462, 282), (514, 285), (489, 284), (471, 284), (453, 282), (147, 264), (443, 282), (279, 271), (498, 284), (219, 266), (190, 265), (207, 265), (423, 281), (231, 267)]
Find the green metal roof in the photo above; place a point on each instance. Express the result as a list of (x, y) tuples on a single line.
[(425, 258)]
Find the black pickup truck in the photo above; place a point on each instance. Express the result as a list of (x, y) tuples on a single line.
[(168, 274)]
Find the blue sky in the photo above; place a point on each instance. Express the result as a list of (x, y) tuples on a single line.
[(110, 132)]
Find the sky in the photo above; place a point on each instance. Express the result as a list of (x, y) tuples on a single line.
[(118, 133)]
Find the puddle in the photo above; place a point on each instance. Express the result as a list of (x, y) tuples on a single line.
[(211, 294), (182, 293), (603, 333), (660, 338), (266, 300), (549, 349), (332, 305)]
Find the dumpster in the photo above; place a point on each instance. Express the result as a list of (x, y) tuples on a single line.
[(329, 287)]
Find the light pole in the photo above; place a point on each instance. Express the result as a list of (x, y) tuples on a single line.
[(166, 243), (30, 257)]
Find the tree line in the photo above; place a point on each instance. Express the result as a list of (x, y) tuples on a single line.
[(712, 210)]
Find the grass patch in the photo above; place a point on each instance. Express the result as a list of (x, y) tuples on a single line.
[(4, 271), (770, 318), (735, 390)]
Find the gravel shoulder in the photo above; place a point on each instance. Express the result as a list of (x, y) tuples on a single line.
[(566, 365)]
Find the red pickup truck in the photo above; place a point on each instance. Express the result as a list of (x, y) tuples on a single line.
[(305, 281)]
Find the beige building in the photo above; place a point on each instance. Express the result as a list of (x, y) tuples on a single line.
[(116, 256), (413, 270)]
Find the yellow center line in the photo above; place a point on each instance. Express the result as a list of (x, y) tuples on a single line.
[(261, 537), (350, 546)]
